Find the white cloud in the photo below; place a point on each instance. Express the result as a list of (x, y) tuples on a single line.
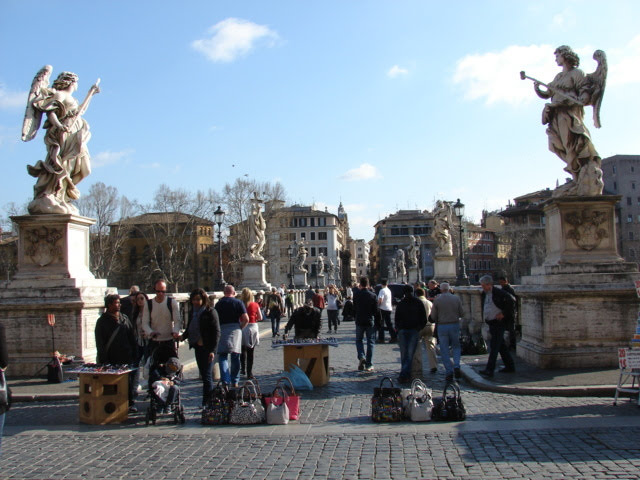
[(396, 71), (108, 157), (12, 99), (366, 171), (564, 20), (494, 76), (232, 38)]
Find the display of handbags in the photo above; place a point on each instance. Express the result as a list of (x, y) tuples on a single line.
[(419, 403), (218, 408), (449, 407), (386, 403), (247, 411), (278, 412), (292, 399)]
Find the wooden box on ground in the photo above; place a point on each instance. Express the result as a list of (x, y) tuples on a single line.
[(312, 359), (104, 398)]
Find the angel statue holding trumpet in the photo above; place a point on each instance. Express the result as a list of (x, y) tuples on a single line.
[(67, 161), (570, 91)]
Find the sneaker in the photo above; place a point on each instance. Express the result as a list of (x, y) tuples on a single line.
[(370, 369), (457, 373), (361, 364), (133, 409)]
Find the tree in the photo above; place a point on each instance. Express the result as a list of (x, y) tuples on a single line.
[(103, 203), (172, 235)]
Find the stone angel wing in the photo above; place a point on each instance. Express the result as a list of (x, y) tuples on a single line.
[(32, 116), (595, 83)]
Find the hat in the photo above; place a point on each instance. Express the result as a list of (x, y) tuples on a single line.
[(173, 365)]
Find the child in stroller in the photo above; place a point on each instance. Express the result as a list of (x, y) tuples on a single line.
[(165, 374)]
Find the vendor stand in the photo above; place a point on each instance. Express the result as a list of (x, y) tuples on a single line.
[(104, 393), (311, 355)]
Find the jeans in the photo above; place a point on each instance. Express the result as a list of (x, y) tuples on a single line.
[(229, 375), (275, 322), (332, 318), (386, 322), (497, 345), (205, 367), (1, 430), (449, 336), (370, 332), (408, 342)]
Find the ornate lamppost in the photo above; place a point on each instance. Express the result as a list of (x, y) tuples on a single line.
[(291, 251), (462, 279), (218, 216)]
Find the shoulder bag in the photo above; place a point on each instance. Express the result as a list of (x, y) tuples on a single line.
[(278, 412), (449, 407), (386, 403), (419, 403), (244, 412), (218, 407), (292, 399)]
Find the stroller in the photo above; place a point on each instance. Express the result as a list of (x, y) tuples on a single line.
[(165, 375)]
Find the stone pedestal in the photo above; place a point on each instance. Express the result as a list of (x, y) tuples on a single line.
[(254, 275), (53, 277), (444, 269), (412, 275), (581, 304), (300, 279)]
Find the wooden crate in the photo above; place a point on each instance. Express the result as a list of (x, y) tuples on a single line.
[(104, 398), (312, 359)]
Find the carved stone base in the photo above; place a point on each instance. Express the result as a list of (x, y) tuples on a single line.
[(53, 277), (254, 275), (581, 304), (581, 230), (300, 279), (444, 268)]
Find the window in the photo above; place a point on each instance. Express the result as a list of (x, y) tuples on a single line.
[(322, 250), (633, 185), (629, 218), (638, 218), (313, 234), (313, 251), (292, 237), (628, 200), (303, 235), (615, 186), (630, 235), (399, 230), (303, 222), (420, 230), (322, 235), (312, 222), (322, 222), (633, 169)]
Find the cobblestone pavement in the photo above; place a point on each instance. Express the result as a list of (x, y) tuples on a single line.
[(504, 436)]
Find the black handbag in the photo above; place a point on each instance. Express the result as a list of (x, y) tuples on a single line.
[(5, 394), (218, 407), (449, 407)]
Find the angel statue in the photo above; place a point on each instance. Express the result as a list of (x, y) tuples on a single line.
[(67, 161), (301, 256), (331, 271), (569, 138), (413, 249), (442, 221), (401, 270), (257, 227), (391, 269), (320, 265)]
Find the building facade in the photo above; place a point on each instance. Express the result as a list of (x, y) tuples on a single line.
[(480, 251), (621, 175), (360, 259)]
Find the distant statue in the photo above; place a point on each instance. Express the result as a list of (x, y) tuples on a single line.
[(320, 265), (570, 91), (257, 227), (67, 161), (401, 269), (391, 270), (442, 222), (301, 256), (412, 250), (331, 271)]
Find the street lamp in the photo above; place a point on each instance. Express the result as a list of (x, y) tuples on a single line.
[(218, 216), (292, 283), (462, 279)]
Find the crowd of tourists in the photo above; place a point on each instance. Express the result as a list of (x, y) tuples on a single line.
[(134, 326)]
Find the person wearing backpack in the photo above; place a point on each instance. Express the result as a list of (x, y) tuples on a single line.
[(274, 311), (161, 320)]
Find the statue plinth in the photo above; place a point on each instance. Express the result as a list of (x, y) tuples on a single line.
[(253, 275), (300, 279), (444, 268), (580, 305), (53, 277)]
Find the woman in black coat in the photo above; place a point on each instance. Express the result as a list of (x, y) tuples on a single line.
[(203, 334)]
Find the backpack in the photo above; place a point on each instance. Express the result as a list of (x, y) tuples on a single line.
[(273, 304)]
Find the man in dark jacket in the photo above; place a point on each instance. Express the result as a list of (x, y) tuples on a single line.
[(366, 305), (411, 317), (116, 341), (306, 321), (511, 327), (497, 311)]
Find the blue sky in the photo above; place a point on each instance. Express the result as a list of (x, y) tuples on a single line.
[(382, 105)]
